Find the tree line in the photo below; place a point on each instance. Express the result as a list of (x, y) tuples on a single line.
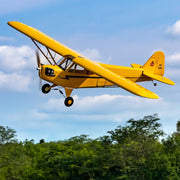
[(137, 151)]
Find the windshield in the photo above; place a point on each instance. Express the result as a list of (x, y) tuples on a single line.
[(66, 64), (60, 60)]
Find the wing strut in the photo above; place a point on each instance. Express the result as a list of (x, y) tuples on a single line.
[(51, 55), (41, 51)]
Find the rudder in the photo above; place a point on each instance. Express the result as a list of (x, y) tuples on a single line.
[(155, 64)]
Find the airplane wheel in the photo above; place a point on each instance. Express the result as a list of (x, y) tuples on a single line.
[(45, 88), (68, 101)]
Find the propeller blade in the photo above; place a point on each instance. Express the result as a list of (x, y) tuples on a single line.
[(38, 60), (39, 68)]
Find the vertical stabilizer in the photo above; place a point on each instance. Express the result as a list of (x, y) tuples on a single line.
[(155, 64)]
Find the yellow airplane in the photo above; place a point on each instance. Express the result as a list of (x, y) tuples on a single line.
[(75, 71)]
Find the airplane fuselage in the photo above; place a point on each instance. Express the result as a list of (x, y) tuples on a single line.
[(86, 79)]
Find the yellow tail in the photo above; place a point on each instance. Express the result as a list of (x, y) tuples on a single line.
[(155, 64), (154, 68)]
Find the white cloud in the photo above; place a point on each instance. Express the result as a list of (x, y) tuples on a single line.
[(174, 29), (116, 101), (94, 55), (34, 113), (16, 58), (90, 115), (104, 107), (16, 67), (173, 71), (14, 82), (173, 59)]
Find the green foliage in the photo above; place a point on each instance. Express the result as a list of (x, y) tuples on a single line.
[(141, 130), (130, 152), (7, 135), (178, 127)]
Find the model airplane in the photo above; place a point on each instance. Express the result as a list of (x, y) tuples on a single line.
[(76, 71)]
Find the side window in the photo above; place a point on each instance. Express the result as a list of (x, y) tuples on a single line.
[(78, 69), (74, 68)]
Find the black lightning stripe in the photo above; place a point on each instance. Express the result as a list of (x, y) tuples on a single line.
[(89, 77), (85, 77)]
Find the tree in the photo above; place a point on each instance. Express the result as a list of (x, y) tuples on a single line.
[(178, 127), (130, 152), (41, 141), (7, 135), (138, 130)]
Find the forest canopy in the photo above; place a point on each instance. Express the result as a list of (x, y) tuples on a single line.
[(139, 150)]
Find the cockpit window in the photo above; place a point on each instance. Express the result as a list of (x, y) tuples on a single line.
[(66, 64), (59, 62)]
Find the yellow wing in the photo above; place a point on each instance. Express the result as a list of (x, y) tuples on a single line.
[(83, 61), (43, 39)]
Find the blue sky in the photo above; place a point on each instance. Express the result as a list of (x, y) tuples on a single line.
[(114, 32)]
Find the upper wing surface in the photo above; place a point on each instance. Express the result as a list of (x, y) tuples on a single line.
[(82, 61), (43, 39)]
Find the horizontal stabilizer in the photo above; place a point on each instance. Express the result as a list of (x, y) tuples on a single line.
[(159, 78), (136, 65)]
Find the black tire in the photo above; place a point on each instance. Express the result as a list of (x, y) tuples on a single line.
[(45, 88), (69, 101)]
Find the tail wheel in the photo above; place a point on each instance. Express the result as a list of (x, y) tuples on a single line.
[(69, 101), (46, 88)]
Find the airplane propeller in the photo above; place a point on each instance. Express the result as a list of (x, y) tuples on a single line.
[(39, 68), (38, 60)]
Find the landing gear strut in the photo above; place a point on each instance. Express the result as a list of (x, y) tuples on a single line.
[(46, 88), (68, 100)]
